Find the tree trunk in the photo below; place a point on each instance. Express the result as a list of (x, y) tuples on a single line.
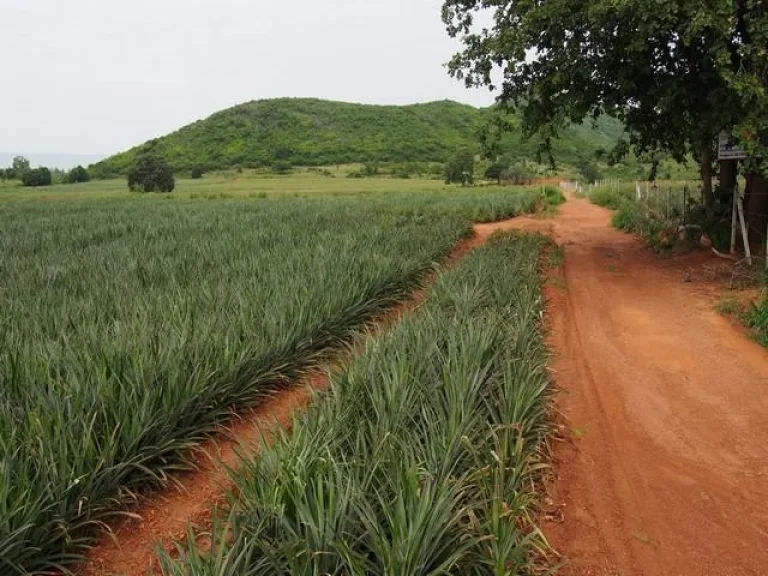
[(756, 208), (706, 175), (728, 173)]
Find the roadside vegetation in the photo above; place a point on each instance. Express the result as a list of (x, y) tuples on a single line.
[(135, 323), (667, 215), (425, 455)]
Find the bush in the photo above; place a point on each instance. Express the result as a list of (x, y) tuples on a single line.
[(78, 175), (37, 177), (197, 173), (553, 196), (281, 167), (589, 171), (518, 174), (151, 173), (496, 170), (368, 170), (757, 319), (461, 169)]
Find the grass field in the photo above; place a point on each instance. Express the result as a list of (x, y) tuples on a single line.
[(132, 323), (232, 184), (424, 456)]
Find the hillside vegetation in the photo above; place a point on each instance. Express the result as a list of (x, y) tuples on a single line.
[(309, 132)]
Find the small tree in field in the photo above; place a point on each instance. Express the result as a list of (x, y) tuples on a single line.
[(37, 177), (151, 173), (78, 175), (461, 169)]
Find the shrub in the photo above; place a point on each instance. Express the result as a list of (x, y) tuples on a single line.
[(461, 169), (519, 174), (78, 175), (197, 173), (553, 196), (496, 170), (281, 167), (757, 319), (37, 177), (151, 173), (589, 171)]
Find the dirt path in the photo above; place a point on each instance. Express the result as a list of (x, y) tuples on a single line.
[(665, 470), (163, 518)]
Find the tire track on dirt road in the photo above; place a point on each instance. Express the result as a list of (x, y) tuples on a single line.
[(665, 468)]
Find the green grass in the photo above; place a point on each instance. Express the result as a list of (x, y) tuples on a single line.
[(756, 318), (423, 458), (656, 218), (132, 324)]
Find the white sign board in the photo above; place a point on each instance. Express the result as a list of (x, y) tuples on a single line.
[(728, 150)]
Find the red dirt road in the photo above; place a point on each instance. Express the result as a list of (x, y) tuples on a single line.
[(665, 466)]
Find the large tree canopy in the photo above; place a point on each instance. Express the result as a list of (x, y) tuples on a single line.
[(676, 72)]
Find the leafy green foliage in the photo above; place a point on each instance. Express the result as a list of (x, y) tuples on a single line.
[(20, 166), (424, 456), (589, 171), (162, 313), (308, 132), (151, 173), (756, 317), (657, 217), (197, 172), (674, 73), (461, 168), (37, 177), (78, 175)]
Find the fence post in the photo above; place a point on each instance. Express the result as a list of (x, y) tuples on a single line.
[(744, 234), (733, 221)]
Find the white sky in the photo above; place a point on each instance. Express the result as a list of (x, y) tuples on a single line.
[(99, 76)]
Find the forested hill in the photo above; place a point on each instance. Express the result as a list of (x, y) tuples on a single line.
[(309, 132)]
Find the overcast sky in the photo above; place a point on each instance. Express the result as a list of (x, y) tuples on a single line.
[(99, 76)]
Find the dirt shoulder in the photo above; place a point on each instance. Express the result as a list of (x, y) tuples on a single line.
[(664, 469)]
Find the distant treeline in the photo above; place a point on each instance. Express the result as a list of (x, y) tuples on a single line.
[(21, 170)]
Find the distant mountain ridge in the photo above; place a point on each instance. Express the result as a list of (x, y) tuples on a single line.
[(311, 132)]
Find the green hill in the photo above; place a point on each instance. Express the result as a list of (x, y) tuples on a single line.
[(309, 132)]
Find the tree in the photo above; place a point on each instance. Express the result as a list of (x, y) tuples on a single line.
[(461, 168), (497, 169), (77, 175), (657, 67), (37, 177), (589, 171), (20, 166), (197, 173), (151, 173)]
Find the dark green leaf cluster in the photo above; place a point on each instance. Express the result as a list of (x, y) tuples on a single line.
[(151, 173), (78, 175), (37, 177), (461, 168)]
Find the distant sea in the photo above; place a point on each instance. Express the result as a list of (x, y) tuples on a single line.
[(60, 161)]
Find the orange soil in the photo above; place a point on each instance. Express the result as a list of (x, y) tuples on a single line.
[(664, 469), (163, 518)]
